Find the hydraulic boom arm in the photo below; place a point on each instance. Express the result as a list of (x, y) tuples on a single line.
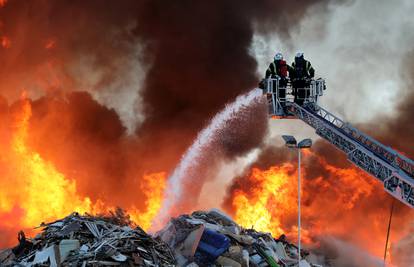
[(394, 170)]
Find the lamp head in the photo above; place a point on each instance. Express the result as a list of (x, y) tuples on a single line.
[(290, 141), (305, 143)]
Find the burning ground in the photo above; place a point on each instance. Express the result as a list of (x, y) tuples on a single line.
[(81, 78), (35, 190), (339, 202), (97, 111)]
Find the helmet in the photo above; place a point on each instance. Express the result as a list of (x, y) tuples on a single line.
[(299, 54), (278, 56)]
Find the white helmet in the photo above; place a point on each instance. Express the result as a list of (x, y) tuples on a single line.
[(278, 56), (299, 54)]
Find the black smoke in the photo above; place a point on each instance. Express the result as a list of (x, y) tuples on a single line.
[(197, 55)]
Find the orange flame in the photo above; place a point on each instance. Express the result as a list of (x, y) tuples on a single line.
[(153, 186), (32, 190), (269, 199), (345, 203), (43, 193)]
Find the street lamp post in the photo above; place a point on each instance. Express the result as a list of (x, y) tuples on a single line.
[(292, 143)]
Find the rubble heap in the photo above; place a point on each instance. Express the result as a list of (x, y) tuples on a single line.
[(214, 239), (89, 241), (200, 239)]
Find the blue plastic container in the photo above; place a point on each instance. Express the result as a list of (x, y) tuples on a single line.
[(211, 246)]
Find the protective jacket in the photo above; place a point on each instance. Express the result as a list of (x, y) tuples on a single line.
[(277, 67), (301, 68)]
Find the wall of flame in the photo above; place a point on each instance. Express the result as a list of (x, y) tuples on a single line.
[(33, 190), (62, 152), (337, 201)]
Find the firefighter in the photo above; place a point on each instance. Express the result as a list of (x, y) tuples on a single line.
[(278, 69), (300, 74)]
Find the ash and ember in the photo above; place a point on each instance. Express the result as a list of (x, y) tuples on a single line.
[(68, 144)]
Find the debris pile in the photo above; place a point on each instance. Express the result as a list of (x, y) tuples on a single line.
[(214, 239), (89, 241), (200, 239)]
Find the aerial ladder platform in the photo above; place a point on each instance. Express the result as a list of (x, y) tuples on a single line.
[(394, 170)]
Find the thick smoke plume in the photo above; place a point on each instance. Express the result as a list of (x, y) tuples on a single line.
[(119, 90), (194, 54)]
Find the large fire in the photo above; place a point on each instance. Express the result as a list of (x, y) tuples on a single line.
[(32, 190), (338, 202), (269, 199), (44, 176), (43, 193)]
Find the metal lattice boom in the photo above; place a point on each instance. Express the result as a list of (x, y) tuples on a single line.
[(394, 170)]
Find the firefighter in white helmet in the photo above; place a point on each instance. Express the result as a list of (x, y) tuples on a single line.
[(278, 69), (300, 73)]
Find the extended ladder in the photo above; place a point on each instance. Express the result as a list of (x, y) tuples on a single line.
[(394, 170)]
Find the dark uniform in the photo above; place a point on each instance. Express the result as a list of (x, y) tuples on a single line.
[(300, 74), (279, 68)]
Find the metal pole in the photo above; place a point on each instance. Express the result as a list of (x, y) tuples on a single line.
[(299, 205), (388, 232)]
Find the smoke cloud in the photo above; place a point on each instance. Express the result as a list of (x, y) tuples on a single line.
[(402, 251), (120, 90), (338, 253)]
